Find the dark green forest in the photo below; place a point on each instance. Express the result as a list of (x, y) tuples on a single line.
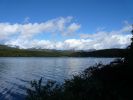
[(6, 51), (98, 82)]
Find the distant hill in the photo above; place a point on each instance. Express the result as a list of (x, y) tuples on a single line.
[(115, 52), (5, 47), (6, 51)]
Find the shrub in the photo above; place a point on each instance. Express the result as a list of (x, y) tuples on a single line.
[(99, 82)]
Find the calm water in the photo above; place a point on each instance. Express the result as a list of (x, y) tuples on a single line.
[(16, 72)]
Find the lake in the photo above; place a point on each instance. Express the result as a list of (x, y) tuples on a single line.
[(17, 72)]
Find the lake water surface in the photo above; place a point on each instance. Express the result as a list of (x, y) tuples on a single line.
[(17, 72)]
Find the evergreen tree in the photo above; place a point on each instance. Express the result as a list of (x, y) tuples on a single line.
[(129, 56)]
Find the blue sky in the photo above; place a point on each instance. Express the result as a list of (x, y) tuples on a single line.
[(84, 16)]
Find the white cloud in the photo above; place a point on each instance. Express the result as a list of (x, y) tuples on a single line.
[(26, 20), (64, 26), (113, 39), (73, 27), (7, 30), (28, 30)]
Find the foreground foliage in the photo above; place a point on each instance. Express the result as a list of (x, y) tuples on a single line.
[(99, 82)]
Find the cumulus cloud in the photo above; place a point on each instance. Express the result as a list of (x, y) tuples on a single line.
[(113, 39), (7, 30), (28, 30), (64, 26), (26, 20)]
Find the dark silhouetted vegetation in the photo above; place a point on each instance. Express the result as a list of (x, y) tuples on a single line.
[(6, 51), (99, 82), (102, 53)]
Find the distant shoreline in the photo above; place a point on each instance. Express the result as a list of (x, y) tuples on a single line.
[(6, 51)]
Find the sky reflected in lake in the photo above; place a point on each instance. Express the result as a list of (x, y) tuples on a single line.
[(17, 72)]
